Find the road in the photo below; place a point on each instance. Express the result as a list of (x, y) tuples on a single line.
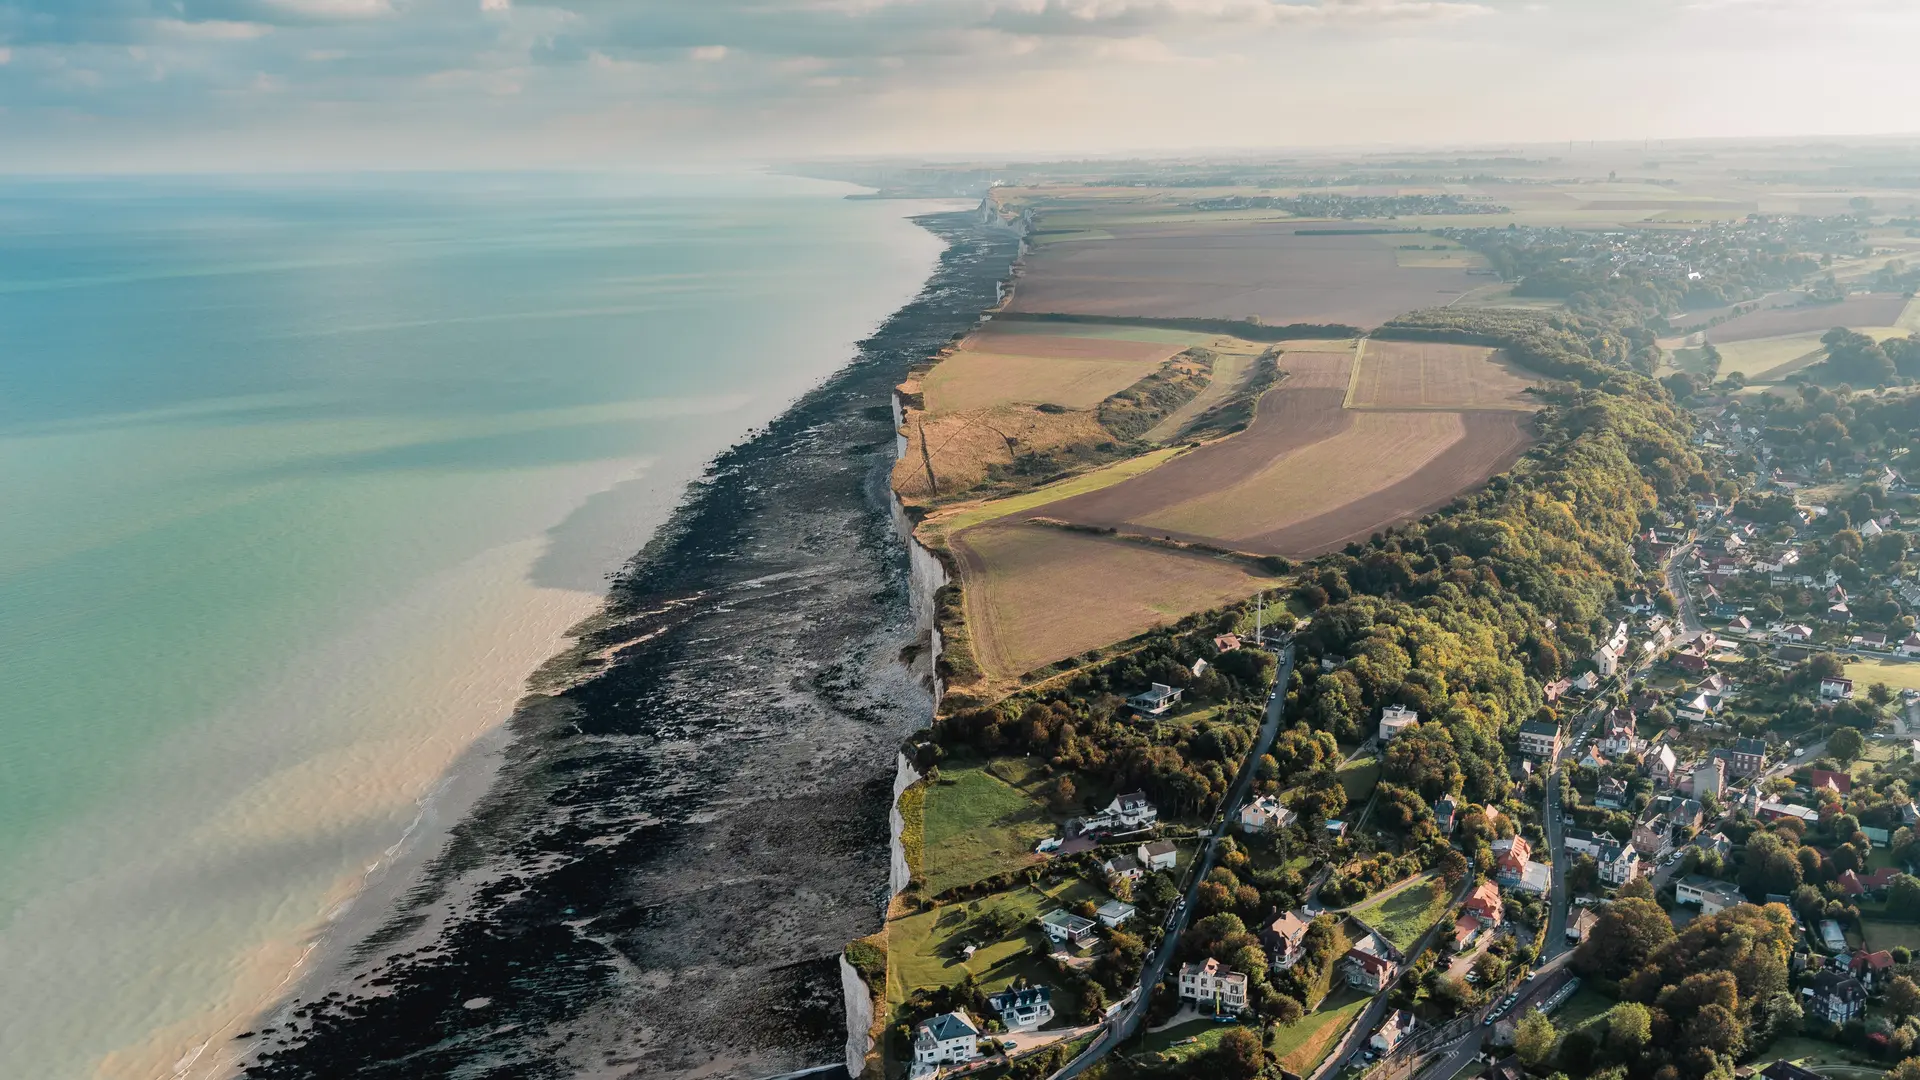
[(1456, 1058), (1677, 585), (1124, 1025)]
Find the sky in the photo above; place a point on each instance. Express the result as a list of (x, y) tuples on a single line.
[(185, 85)]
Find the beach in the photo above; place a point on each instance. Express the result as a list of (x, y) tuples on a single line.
[(268, 607)]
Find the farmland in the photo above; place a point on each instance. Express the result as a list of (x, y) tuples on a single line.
[(1279, 272), (1814, 318), (1036, 595), (1430, 375), (1000, 367)]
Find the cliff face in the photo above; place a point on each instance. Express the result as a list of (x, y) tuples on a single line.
[(681, 840)]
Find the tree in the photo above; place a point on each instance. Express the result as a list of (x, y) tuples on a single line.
[(1845, 745), (1240, 1054), (1533, 1040), (1576, 1052), (1064, 797), (1880, 694), (1629, 1027), (1717, 1029), (1903, 997), (1624, 937), (1906, 1070)]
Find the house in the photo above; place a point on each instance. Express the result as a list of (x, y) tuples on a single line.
[(1397, 1027), (1466, 931), (1443, 812), (1611, 794), (1159, 855), (1484, 904), (1834, 938), (1828, 778), (1854, 884), (1507, 1068), (1714, 843), (1155, 700), (1787, 1070), (1692, 663), (1132, 810), (1536, 878), (1835, 998), (1839, 613), (1024, 1009), (1282, 937), (1910, 645), (1835, 689), (1774, 810), (1875, 640), (1114, 912), (1395, 719), (1539, 738), (1336, 829), (1593, 759), (1709, 778), (1226, 643), (1795, 632), (1619, 863), (1697, 706), (1123, 866), (1063, 927), (1580, 924), (1740, 622), (1653, 836), (1370, 964), (1663, 766), (1871, 967), (1265, 814), (1214, 982), (1713, 896), (949, 1038), (1581, 841), (1552, 691), (1621, 733), (1749, 757), (1510, 857)]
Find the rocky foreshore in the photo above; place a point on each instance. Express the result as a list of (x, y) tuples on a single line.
[(690, 820)]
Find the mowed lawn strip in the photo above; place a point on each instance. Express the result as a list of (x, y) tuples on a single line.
[(1075, 485), (977, 824), (1885, 934), (1300, 1047), (1404, 916), (1174, 1042)]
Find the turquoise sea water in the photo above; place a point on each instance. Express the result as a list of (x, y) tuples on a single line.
[(298, 480)]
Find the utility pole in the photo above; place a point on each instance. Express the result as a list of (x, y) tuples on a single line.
[(1260, 619)]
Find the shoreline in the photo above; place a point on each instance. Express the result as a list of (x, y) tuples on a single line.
[(456, 904)]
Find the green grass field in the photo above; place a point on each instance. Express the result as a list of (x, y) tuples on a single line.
[(1816, 1054), (1901, 675), (1884, 934), (1359, 778), (978, 824), (1183, 1042), (923, 950), (1587, 1008), (1301, 1047), (1404, 916)]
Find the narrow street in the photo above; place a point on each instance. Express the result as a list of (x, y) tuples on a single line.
[(1123, 1025)]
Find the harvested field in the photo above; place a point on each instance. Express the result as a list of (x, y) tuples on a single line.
[(1877, 310), (1036, 594), (1281, 273), (1308, 476), (1374, 451), (962, 446), (1431, 375), (1775, 358), (969, 381)]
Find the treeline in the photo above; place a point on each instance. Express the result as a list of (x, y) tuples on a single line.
[(1579, 348), (1249, 329)]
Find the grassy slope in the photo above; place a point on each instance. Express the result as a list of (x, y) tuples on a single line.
[(923, 949), (1407, 914), (977, 824), (1302, 1046)]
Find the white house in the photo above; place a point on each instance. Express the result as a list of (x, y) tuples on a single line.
[(1214, 982), (1395, 719), (1064, 927), (1023, 1010), (949, 1038), (1713, 896), (1619, 863), (1833, 689), (1159, 855), (1265, 814), (1155, 700), (1123, 866), (1397, 1027), (1132, 810), (1114, 912)]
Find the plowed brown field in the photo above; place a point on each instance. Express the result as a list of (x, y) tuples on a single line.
[(1279, 272), (1431, 375), (1856, 312)]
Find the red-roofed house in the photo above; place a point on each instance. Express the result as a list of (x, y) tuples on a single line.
[(1484, 904), (1870, 967), (1838, 781), (1466, 931)]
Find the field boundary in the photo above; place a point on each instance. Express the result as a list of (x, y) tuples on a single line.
[(1240, 328), (1353, 374)]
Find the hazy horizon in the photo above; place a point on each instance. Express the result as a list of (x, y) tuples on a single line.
[(252, 85)]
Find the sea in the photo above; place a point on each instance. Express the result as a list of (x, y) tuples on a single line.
[(300, 478)]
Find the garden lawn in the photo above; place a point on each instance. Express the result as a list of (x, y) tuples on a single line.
[(978, 824), (1587, 1008), (1174, 1044), (923, 949), (1901, 675), (1814, 1054), (1359, 778), (1404, 916), (1301, 1047), (1886, 934)]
